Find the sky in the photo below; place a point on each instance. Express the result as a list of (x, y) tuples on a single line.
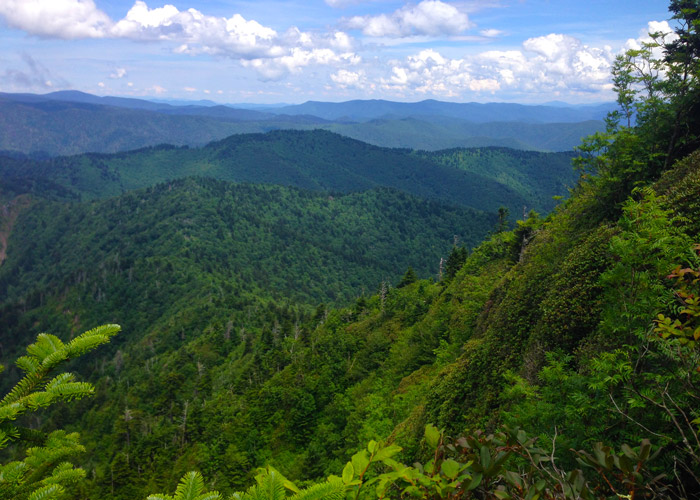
[(291, 51)]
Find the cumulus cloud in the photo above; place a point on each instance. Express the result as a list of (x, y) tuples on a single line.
[(190, 31), (428, 72), (196, 32), (272, 69), (652, 27), (553, 63), (344, 78), (66, 19), (429, 17)]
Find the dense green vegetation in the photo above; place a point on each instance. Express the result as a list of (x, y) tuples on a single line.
[(316, 160), (538, 177), (564, 351), (201, 238), (45, 471)]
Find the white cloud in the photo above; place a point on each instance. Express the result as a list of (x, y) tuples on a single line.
[(190, 30), (429, 17), (272, 69), (56, 18), (198, 33), (345, 79), (190, 89), (118, 73), (428, 72), (490, 33), (652, 27), (553, 64)]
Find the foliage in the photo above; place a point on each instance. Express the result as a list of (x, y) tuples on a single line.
[(535, 177), (507, 465), (317, 160), (45, 472)]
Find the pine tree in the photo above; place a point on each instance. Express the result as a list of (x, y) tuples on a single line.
[(45, 472), (408, 278)]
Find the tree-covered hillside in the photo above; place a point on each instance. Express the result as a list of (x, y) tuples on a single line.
[(536, 176), (282, 242), (317, 160), (204, 260)]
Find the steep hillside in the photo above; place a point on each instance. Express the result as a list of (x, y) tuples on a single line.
[(259, 381)]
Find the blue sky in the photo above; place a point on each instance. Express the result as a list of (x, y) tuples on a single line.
[(266, 51)]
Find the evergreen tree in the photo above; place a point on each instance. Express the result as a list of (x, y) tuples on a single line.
[(408, 278), (455, 261), (45, 472)]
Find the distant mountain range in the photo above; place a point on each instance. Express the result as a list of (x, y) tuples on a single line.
[(471, 111), (71, 122)]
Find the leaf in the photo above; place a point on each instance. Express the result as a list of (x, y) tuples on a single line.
[(387, 452), (450, 468), (644, 450), (485, 456), (475, 482), (348, 473), (372, 446), (629, 452), (432, 436), (360, 461)]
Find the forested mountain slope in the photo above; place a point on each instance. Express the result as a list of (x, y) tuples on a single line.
[(203, 386), (285, 243), (199, 260), (536, 176), (317, 160)]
